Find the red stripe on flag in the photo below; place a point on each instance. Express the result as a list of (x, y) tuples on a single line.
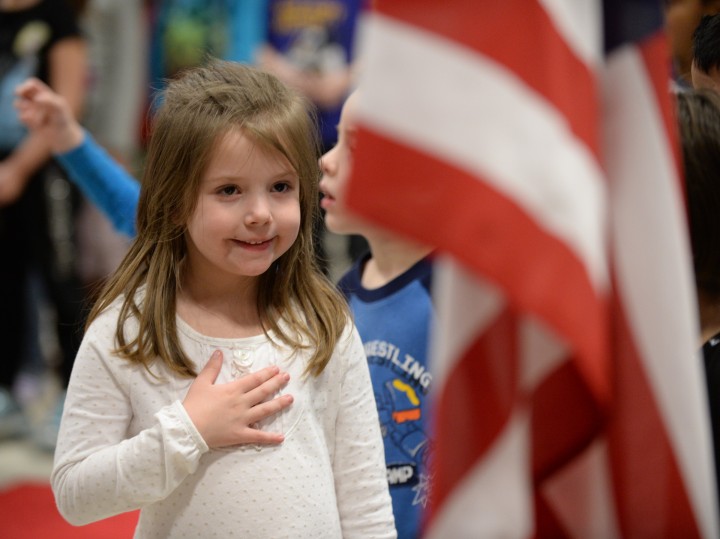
[(577, 102), (565, 420), (539, 272), (651, 495), (547, 523)]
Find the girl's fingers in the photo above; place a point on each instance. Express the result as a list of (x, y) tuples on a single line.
[(254, 436), (267, 389), (210, 371), (254, 380), (269, 408)]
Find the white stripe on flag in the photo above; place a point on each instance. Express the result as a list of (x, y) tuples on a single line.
[(582, 497), (577, 22), (541, 352)]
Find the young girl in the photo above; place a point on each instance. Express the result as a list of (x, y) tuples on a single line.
[(223, 260)]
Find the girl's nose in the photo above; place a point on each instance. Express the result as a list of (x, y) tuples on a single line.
[(257, 211)]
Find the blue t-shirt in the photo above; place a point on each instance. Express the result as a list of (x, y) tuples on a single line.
[(394, 323)]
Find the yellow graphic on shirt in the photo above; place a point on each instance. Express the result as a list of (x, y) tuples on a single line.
[(413, 414)]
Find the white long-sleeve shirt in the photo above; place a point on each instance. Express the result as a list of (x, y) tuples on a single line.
[(126, 442)]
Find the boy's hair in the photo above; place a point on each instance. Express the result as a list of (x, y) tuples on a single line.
[(699, 122), (706, 43), (295, 300)]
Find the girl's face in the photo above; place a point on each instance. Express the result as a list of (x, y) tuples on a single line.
[(247, 214), (336, 165)]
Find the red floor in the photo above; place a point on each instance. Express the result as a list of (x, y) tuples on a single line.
[(27, 511)]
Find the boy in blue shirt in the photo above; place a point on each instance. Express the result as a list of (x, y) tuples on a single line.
[(389, 294)]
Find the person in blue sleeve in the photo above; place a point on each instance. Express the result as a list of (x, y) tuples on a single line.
[(100, 178)]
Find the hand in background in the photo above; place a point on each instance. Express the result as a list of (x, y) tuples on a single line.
[(48, 114), (327, 89), (224, 413)]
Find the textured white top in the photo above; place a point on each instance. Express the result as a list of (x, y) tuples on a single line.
[(126, 442)]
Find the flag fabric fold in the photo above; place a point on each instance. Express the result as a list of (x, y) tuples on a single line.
[(532, 143)]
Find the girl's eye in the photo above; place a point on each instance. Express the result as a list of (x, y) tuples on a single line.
[(228, 190), (282, 187)]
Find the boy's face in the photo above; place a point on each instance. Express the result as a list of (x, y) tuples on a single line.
[(681, 19), (336, 166)]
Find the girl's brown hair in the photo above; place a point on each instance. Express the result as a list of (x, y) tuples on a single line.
[(295, 300)]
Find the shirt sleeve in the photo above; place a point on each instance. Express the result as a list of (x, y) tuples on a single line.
[(64, 21), (361, 483), (103, 181), (99, 471)]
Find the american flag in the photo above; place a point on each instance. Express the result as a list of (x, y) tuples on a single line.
[(532, 142)]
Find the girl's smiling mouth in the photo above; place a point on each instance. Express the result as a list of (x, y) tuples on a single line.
[(253, 244)]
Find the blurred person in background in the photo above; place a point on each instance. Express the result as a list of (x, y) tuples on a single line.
[(705, 68), (117, 34), (698, 117), (681, 19), (185, 33), (38, 205)]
